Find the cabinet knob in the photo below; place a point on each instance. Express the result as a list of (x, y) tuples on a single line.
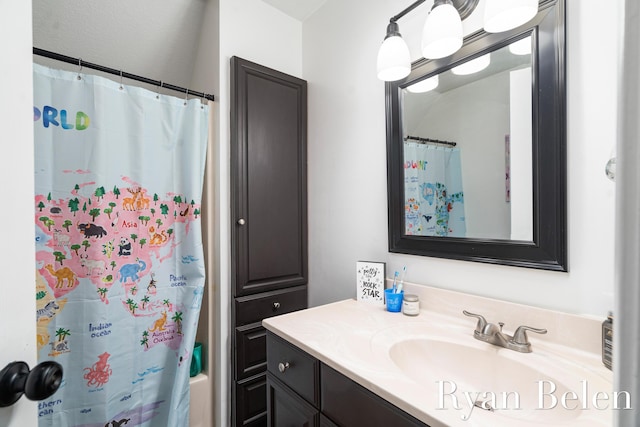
[(283, 366), (276, 305), (241, 221)]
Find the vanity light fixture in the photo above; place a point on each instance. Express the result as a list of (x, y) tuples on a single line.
[(424, 85), (473, 66), (442, 34), (394, 62)]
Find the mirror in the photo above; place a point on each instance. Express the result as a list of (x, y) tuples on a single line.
[(476, 182), (476, 150)]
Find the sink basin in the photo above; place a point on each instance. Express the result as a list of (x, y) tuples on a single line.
[(481, 378)]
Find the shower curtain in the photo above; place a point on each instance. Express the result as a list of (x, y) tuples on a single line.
[(119, 257), (434, 200)]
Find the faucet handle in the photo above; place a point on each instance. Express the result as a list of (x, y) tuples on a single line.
[(482, 322), (520, 337)]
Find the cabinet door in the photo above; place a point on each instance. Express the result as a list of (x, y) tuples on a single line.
[(286, 409), (269, 218), (349, 404), (268, 178)]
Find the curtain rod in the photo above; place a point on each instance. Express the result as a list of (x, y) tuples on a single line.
[(436, 141), (79, 62)]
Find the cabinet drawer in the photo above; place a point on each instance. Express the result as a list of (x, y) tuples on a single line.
[(293, 367), (251, 350), (251, 402), (254, 308)]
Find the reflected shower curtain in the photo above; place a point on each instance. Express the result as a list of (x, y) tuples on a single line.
[(434, 200), (119, 257)]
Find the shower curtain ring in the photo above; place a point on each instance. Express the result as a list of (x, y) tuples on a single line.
[(79, 68), (121, 87), (186, 96), (158, 90)]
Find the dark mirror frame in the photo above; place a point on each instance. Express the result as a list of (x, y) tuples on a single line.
[(548, 250)]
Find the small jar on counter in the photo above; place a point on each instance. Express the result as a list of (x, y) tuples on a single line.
[(411, 305)]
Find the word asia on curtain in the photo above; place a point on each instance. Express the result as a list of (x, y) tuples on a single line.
[(120, 267), (434, 200)]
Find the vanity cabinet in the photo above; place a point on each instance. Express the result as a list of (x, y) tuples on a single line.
[(302, 391), (269, 222)]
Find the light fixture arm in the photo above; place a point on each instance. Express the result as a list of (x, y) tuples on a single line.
[(407, 10), (464, 7)]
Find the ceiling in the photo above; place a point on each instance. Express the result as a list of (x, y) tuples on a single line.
[(298, 9)]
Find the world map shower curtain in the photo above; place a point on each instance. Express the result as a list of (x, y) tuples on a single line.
[(120, 268), (434, 200)]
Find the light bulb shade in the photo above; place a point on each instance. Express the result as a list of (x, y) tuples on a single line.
[(473, 66), (521, 47), (504, 15), (394, 61), (442, 34), (424, 85)]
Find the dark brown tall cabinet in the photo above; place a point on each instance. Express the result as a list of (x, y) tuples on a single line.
[(269, 221)]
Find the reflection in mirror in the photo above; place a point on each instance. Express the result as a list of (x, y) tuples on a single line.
[(467, 136)]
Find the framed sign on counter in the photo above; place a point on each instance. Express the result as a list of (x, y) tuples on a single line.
[(370, 277)]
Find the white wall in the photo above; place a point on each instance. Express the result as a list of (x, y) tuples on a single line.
[(347, 163), (139, 37)]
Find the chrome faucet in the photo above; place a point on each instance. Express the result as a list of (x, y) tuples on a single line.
[(492, 334)]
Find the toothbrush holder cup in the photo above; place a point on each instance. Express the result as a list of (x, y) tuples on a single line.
[(393, 300)]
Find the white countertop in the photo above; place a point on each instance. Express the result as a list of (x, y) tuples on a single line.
[(355, 337)]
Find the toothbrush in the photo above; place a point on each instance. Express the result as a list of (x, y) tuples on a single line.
[(395, 277), (399, 288)]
